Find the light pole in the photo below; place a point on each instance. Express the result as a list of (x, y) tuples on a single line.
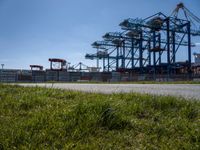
[(2, 65)]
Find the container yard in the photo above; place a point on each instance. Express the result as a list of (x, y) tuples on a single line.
[(146, 49)]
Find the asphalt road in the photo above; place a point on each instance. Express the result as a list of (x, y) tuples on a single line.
[(188, 91)]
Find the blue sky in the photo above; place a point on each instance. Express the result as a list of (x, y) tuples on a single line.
[(31, 31)]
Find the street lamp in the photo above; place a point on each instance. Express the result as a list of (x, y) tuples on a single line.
[(2, 65)]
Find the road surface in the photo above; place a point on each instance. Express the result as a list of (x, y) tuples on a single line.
[(180, 90)]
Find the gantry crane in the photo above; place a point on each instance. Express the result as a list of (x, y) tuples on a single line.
[(149, 45), (79, 67)]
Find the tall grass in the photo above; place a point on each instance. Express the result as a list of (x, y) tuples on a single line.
[(39, 118)]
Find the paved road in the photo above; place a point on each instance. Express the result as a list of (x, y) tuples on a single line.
[(183, 90)]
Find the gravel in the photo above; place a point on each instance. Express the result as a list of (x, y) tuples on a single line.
[(189, 91)]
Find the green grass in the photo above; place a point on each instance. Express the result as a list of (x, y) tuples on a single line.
[(39, 118)]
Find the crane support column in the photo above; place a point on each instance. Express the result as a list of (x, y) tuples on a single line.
[(141, 52), (104, 67), (168, 48), (123, 56), (149, 42), (154, 53), (132, 53), (173, 48), (189, 49), (117, 59), (108, 63), (159, 44)]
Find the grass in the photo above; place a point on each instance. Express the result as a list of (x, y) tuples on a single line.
[(39, 118)]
